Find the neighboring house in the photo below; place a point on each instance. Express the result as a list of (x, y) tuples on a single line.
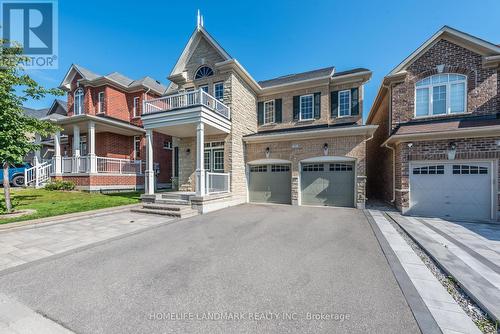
[(296, 139), (101, 145), (436, 151)]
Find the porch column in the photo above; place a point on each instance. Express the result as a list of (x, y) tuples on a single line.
[(200, 154), (57, 153), (91, 148), (149, 181), (38, 157), (76, 148)]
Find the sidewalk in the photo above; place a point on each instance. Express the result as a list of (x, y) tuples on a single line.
[(34, 242)]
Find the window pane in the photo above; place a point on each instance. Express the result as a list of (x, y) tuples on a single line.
[(207, 160), (219, 91), (424, 82), (269, 112), (457, 97), (439, 100), (440, 78), (344, 103), (422, 108), (306, 107), (219, 160)]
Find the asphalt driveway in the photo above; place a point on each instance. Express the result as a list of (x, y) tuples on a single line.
[(263, 269)]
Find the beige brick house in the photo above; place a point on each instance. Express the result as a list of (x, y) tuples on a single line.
[(436, 151), (296, 139)]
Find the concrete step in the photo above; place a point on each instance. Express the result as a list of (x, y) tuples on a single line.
[(172, 202), (167, 210), (177, 196), (158, 212), (168, 207)]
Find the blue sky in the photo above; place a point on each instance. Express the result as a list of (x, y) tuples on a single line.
[(269, 38)]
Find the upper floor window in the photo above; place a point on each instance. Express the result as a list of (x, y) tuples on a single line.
[(269, 114), (204, 88), (137, 147), (136, 107), (219, 91), (344, 103), (100, 102), (78, 102), (306, 107), (203, 72), (441, 94)]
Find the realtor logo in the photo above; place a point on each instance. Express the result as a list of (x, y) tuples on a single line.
[(33, 25)]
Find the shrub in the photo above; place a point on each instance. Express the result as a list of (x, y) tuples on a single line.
[(60, 185)]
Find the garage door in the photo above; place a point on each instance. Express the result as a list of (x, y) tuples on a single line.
[(451, 190), (327, 184), (270, 184)]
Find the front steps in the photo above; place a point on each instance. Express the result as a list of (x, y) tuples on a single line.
[(176, 205)]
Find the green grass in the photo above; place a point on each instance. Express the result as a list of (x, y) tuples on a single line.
[(54, 203)]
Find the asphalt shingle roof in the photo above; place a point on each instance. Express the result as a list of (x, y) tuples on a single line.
[(291, 78)]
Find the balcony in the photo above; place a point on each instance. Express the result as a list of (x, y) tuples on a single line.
[(178, 115)]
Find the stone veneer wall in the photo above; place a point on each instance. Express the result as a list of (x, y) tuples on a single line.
[(298, 150)]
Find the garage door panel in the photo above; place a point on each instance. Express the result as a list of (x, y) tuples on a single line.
[(270, 184), (322, 184), (458, 190)]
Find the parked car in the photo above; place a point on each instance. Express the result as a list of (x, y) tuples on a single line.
[(16, 174)]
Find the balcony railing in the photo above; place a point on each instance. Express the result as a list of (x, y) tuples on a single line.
[(104, 165), (186, 100), (217, 182)]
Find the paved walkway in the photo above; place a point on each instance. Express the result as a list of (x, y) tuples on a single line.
[(447, 313), (32, 243), (466, 251)]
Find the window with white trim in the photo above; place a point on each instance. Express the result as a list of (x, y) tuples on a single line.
[(100, 102), (313, 168), (137, 147), (204, 88), (78, 101), (469, 169), (280, 168), (136, 107), (306, 107), (218, 156), (269, 114), (219, 91), (441, 94), (259, 169), (344, 103), (203, 72), (426, 170)]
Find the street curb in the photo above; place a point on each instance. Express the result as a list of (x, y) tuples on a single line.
[(421, 313), (47, 221)]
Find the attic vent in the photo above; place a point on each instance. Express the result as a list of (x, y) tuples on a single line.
[(159, 83)]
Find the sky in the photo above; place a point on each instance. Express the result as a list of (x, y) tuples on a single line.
[(269, 38)]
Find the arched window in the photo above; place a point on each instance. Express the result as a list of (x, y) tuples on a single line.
[(441, 94), (78, 102), (203, 72)]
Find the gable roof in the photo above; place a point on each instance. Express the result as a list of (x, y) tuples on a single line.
[(461, 38), (35, 113), (58, 103), (198, 33), (298, 77), (115, 78)]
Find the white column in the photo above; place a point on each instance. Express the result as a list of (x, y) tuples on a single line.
[(76, 148), (149, 181), (200, 154), (57, 153), (37, 158), (91, 147)]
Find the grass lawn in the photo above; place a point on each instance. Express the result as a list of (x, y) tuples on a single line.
[(53, 203)]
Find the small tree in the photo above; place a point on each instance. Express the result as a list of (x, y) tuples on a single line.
[(16, 129)]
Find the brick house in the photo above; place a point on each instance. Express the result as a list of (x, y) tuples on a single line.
[(296, 139), (101, 144), (436, 149)]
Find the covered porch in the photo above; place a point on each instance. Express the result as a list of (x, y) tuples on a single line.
[(199, 124)]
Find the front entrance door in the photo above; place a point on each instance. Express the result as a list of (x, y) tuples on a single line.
[(214, 157)]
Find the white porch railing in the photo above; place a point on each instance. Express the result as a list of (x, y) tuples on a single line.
[(185, 100), (37, 175), (217, 182), (118, 166)]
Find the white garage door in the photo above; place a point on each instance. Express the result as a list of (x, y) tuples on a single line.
[(458, 190)]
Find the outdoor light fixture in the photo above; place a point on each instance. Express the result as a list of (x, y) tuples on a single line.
[(452, 151), (267, 152), (325, 149), (188, 151)]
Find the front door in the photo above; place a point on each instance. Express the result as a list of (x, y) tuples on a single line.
[(214, 157)]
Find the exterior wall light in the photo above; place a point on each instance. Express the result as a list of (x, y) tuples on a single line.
[(452, 151), (188, 150), (325, 149), (267, 152)]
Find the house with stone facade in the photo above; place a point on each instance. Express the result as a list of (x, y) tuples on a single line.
[(297, 139), (437, 147), (101, 142)]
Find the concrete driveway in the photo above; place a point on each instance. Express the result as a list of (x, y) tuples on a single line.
[(263, 269)]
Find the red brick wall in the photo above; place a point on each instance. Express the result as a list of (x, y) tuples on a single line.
[(162, 156), (483, 85), (113, 145), (103, 180)]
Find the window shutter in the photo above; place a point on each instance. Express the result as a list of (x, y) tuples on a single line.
[(355, 101), (296, 108), (334, 100), (260, 113), (277, 113), (317, 105)]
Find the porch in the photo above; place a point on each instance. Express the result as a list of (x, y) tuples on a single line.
[(192, 118)]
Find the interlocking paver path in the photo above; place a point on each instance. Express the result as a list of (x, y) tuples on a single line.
[(32, 243)]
